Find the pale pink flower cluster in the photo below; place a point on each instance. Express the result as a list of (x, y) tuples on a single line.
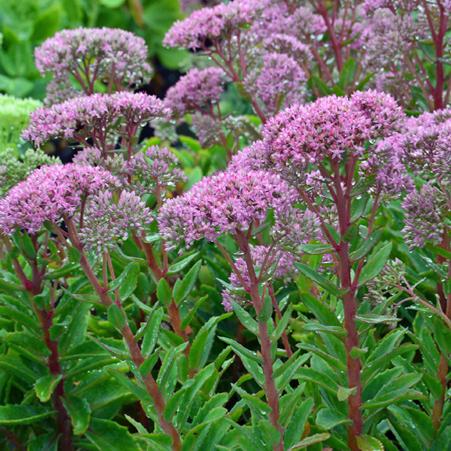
[(196, 91), (226, 202), (426, 212), (155, 169), (109, 55), (279, 81), (108, 220)]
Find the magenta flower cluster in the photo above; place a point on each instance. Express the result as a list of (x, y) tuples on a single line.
[(211, 24), (226, 202), (330, 127), (196, 90), (49, 194), (95, 116), (280, 81)]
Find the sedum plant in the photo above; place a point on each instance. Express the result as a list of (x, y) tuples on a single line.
[(298, 298)]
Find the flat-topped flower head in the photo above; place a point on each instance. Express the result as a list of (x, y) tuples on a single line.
[(49, 194), (329, 128), (110, 219), (226, 202), (196, 90), (98, 117), (209, 25), (110, 55)]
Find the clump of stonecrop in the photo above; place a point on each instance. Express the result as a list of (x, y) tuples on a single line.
[(317, 149), (236, 203), (302, 220)]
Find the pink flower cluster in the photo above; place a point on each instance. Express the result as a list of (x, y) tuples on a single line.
[(279, 17), (90, 54), (280, 81), (196, 90), (224, 203), (211, 24), (95, 117), (48, 194), (330, 127)]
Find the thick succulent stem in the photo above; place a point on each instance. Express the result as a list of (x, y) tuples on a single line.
[(63, 420), (34, 287), (342, 195), (351, 341), (271, 393), (152, 388)]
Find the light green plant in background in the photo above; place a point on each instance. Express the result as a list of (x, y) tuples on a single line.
[(14, 116)]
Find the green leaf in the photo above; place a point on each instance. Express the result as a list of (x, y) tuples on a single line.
[(116, 316), (266, 311), (202, 343), (15, 414), (64, 271), (321, 311), (366, 246), (175, 268), (183, 288), (376, 262), (368, 443), (319, 279), (108, 435), (343, 393), (347, 73), (45, 386), (79, 412), (127, 281), (164, 292), (316, 249), (151, 332), (296, 425), (328, 418), (308, 441), (245, 318)]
